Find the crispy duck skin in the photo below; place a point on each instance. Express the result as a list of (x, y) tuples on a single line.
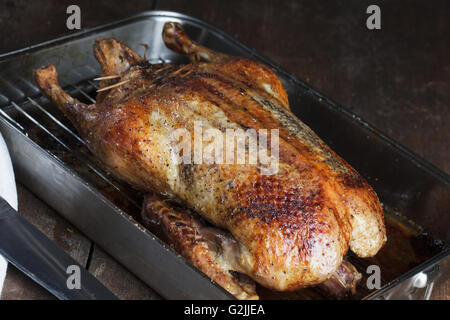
[(215, 252), (293, 227)]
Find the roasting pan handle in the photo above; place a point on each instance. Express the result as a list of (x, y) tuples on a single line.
[(27, 248), (418, 287), (423, 283)]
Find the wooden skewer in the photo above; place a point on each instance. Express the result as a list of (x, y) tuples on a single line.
[(107, 77), (187, 73), (179, 70), (113, 86), (162, 68)]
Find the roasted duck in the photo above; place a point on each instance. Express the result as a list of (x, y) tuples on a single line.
[(284, 230)]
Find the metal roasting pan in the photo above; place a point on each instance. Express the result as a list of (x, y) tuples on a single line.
[(53, 162)]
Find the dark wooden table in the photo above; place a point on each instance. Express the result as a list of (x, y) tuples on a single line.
[(396, 78)]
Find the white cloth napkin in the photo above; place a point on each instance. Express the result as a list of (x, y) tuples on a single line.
[(8, 192)]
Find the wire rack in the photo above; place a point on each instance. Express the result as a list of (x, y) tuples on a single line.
[(38, 119)]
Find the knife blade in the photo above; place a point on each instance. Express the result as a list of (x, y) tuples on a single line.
[(29, 250)]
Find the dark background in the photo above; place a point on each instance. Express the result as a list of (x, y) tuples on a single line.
[(396, 78)]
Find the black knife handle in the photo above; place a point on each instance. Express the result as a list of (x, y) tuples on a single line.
[(28, 249), (5, 211)]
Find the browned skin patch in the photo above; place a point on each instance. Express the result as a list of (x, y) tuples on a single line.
[(294, 227)]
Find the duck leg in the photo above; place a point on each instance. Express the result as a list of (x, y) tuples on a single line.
[(77, 112), (176, 39), (210, 249)]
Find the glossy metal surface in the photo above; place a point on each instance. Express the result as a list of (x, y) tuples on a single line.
[(53, 162), (29, 250)]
